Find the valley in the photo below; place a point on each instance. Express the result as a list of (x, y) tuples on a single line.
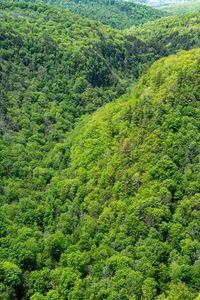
[(99, 152)]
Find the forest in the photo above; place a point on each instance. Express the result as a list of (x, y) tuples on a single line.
[(99, 153), (117, 13), (182, 8)]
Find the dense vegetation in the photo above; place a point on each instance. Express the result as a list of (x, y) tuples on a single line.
[(120, 215), (64, 59), (109, 210), (182, 8), (118, 14), (73, 65), (132, 190), (169, 34), (163, 3)]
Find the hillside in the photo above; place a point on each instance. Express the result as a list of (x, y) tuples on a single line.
[(121, 215), (109, 209), (64, 59), (73, 65), (162, 3), (182, 8), (169, 34), (132, 190), (118, 14)]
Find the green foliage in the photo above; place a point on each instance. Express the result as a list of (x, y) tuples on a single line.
[(10, 273), (116, 13), (182, 8), (169, 34), (111, 209), (133, 158), (122, 218)]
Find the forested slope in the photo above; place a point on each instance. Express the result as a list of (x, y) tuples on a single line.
[(169, 34), (182, 8), (118, 14), (59, 62), (132, 189), (121, 219), (56, 66), (163, 3), (67, 229)]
